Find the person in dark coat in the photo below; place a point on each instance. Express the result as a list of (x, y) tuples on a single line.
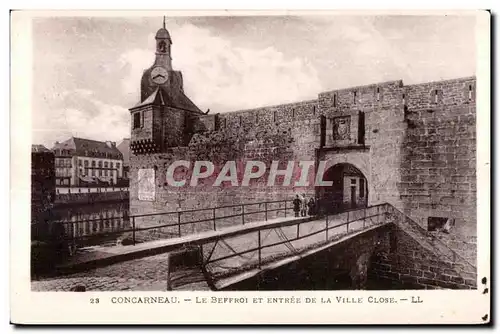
[(297, 203), (311, 207)]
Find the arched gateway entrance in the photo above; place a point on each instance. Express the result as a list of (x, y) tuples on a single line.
[(348, 191)]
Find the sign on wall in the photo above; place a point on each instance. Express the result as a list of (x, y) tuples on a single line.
[(146, 182)]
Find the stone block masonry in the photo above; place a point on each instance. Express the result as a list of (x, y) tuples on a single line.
[(438, 158), (400, 258)]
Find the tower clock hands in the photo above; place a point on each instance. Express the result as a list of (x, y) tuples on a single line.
[(159, 75)]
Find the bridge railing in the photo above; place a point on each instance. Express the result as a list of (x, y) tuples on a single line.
[(173, 223), (255, 247)]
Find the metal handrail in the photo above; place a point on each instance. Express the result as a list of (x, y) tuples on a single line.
[(179, 223), (325, 230), (185, 211)]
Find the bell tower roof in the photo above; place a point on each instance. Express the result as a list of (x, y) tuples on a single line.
[(163, 33)]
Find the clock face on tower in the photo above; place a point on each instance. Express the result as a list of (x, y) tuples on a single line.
[(159, 75)]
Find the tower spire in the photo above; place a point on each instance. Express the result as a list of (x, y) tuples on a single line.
[(163, 43)]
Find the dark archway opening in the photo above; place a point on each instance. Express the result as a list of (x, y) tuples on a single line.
[(348, 191)]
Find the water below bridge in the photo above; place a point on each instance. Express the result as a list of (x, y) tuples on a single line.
[(312, 276), (112, 215)]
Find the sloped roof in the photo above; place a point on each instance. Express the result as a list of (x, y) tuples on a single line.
[(157, 97), (124, 147), (39, 148), (163, 33), (87, 147), (163, 98)]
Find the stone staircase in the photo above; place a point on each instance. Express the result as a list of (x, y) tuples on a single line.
[(461, 256)]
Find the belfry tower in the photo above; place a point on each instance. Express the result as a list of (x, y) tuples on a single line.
[(164, 115)]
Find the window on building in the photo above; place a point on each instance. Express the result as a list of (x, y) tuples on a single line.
[(137, 120), (110, 165), (93, 163), (353, 181), (442, 224), (105, 172), (99, 164), (118, 165), (86, 163), (470, 92), (361, 187), (79, 162), (105, 164), (93, 172), (100, 172)]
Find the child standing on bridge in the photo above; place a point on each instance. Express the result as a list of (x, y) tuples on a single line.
[(303, 209), (297, 203)]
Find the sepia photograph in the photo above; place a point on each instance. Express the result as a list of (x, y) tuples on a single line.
[(254, 152)]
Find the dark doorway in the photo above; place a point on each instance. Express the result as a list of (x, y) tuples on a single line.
[(348, 191)]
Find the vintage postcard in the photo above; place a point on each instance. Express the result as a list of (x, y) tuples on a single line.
[(250, 167)]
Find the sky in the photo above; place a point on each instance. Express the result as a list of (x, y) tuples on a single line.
[(87, 70)]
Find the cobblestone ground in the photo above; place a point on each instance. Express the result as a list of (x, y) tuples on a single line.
[(144, 274)]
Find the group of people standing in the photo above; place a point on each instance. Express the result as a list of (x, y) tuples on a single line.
[(303, 207)]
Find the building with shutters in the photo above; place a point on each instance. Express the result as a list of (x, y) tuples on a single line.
[(85, 162)]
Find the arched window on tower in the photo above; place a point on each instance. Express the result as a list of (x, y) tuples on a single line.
[(162, 46)]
